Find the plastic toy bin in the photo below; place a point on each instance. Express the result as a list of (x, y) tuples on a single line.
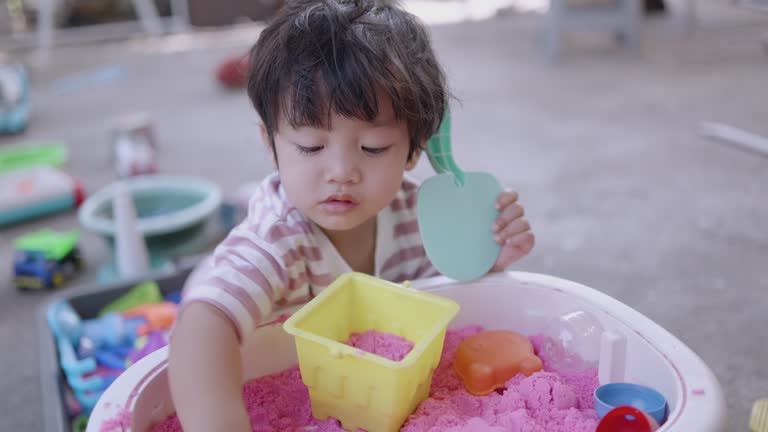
[(362, 390), (519, 301), (86, 300)]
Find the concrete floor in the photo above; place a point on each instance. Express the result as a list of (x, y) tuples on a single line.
[(623, 194)]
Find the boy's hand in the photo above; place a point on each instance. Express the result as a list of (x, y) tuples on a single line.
[(511, 231)]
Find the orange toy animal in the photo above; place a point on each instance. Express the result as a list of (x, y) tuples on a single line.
[(487, 360)]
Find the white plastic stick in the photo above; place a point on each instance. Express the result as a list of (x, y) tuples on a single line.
[(132, 258), (732, 135), (613, 358)]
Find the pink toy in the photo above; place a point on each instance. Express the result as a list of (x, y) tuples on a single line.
[(135, 148)]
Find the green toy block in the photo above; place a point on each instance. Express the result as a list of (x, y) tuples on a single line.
[(144, 293)]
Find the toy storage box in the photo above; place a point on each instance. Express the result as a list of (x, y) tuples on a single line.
[(523, 302), (87, 301)]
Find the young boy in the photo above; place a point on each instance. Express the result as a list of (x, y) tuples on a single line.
[(348, 91)]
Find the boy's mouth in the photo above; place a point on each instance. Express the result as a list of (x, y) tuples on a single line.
[(339, 203)]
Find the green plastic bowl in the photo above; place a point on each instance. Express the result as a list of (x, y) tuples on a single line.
[(164, 205)]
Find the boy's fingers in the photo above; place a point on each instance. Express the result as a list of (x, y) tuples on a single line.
[(513, 228), (514, 249), (510, 213), (524, 241), (506, 198)]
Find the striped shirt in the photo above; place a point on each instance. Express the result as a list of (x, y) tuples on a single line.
[(277, 257)]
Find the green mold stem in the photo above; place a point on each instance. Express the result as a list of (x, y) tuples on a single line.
[(440, 153)]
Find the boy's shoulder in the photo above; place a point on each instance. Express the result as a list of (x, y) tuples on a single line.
[(405, 198)]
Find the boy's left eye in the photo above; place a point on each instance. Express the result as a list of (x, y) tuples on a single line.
[(308, 150), (375, 150)]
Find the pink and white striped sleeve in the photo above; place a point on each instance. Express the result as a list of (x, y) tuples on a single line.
[(244, 279)]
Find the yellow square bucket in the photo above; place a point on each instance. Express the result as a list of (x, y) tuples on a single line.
[(363, 390)]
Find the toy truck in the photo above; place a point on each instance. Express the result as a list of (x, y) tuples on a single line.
[(46, 259)]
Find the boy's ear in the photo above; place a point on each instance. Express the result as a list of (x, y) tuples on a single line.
[(268, 144), (414, 160)]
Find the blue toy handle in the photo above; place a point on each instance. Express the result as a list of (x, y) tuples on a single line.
[(69, 361)]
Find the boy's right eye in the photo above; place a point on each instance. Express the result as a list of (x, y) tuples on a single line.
[(308, 150)]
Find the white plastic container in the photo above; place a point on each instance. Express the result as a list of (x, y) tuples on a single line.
[(636, 348)]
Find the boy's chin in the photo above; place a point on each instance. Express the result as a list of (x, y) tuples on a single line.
[(338, 223)]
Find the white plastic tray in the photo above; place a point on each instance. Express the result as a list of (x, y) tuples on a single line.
[(524, 302)]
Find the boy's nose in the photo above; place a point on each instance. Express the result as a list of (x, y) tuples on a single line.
[(344, 173), (343, 170)]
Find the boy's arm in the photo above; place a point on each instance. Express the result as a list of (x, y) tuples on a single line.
[(205, 372)]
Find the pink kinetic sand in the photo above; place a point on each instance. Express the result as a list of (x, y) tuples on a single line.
[(386, 345), (121, 421), (546, 401)]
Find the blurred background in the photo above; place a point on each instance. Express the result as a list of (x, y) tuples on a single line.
[(635, 131)]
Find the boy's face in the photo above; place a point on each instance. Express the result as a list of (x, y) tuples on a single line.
[(343, 176)]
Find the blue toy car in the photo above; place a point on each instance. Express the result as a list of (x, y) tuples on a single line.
[(46, 259)]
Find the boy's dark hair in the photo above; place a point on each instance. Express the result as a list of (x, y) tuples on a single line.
[(323, 56)]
